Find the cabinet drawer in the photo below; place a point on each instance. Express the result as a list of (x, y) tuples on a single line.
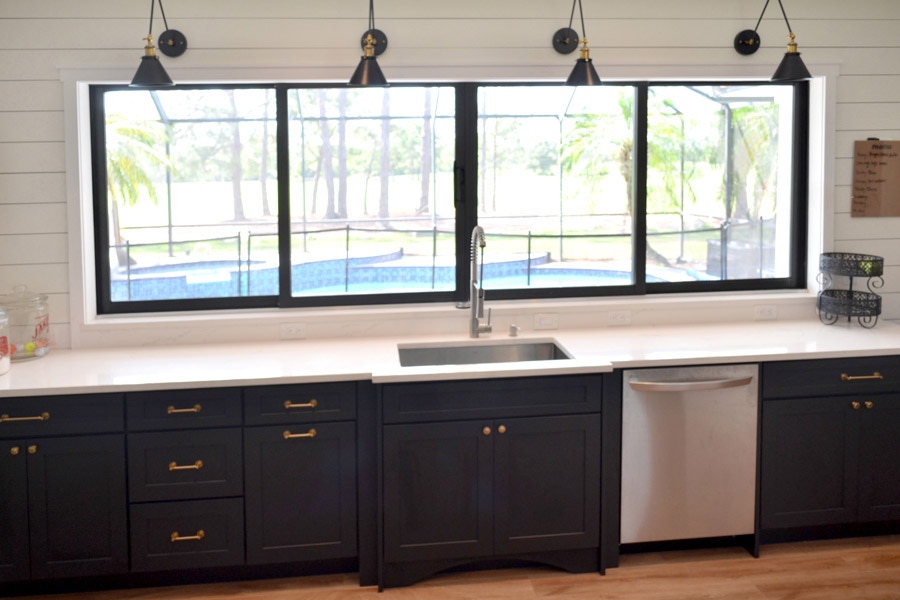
[(183, 409), (453, 400), (61, 415), (183, 465), (308, 403), (831, 377), (187, 535)]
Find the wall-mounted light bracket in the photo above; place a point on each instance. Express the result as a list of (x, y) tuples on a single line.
[(381, 41), (565, 40), (172, 42), (746, 42)]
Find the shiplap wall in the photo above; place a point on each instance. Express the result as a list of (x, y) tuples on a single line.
[(39, 39)]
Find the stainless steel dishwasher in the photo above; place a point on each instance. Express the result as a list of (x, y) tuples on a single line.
[(688, 452)]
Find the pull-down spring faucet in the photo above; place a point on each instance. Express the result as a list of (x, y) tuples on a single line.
[(476, 289)]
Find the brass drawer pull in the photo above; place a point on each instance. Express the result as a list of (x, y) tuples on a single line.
[(875, 375), (293, 436), (173, 466), (311, 404), (41, 417), (180, 411), (174, 537)]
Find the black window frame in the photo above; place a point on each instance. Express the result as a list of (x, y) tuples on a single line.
[(465, 200)]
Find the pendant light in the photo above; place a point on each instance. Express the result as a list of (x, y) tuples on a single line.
[(172, 43), (374, 43), (791, 68), (565, 41)]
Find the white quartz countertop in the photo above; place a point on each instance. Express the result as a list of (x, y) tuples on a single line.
[(376, 359)]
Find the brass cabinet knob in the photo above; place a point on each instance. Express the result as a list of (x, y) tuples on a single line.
[(855, 405), (486, 430), (32, 449), (502, 429), (869, 404), (14, 450)]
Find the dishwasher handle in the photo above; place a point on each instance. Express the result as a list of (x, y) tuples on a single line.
[(689, 386)]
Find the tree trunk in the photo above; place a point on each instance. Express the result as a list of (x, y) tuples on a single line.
[(385, 171), (427, 156), (327, 157), (237, 172), (264, 159), (342, 156)]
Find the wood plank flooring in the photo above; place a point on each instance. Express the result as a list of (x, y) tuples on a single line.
[(851, 569)]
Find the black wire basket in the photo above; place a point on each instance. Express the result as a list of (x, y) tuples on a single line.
[(865, 306), (851, 265)]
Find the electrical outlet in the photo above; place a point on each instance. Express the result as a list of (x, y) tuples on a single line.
[(765, 312), (546, 321), (618, 317), (292, 331)]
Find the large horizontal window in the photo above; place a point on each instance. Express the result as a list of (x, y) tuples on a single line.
[(226, 196)]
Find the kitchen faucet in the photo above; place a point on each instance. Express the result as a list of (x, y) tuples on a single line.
[(476, 289)]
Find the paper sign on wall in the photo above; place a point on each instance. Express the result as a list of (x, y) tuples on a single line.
[(876, 179)]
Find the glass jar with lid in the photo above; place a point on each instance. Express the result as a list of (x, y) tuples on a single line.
[(29, 323)]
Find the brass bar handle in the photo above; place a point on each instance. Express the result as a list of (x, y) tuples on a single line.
[(855, 405), (180, 411), (45, 416), (173, 466), (293, 436), (875, 375), (311, 404), (175, 537)]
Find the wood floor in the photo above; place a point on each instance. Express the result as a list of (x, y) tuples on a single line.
[(855, 569)]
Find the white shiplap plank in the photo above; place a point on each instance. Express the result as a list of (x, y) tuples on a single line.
[(32, 217), (34, 248), (863, 228), (42, 126), (45, 279), (32, 157), (18, 188), (30, 95)]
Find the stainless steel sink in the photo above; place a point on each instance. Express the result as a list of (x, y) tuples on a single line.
[(472, 354)]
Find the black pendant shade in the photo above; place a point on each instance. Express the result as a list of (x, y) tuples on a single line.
[(374, 43), (584, 72), (566, 41), (150, 73), (368, 73), (791, 67)]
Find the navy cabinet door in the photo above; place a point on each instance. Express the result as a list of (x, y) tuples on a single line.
[(13, 511), (879, 465), (77, 506), (300, 495), (546, 484), (810, 450), (437, 490)]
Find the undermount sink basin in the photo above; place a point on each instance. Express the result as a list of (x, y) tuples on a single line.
[(472, 354)]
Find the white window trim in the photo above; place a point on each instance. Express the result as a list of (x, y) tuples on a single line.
[(88, 329)]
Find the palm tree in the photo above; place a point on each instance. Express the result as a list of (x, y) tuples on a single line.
[(133, 149)]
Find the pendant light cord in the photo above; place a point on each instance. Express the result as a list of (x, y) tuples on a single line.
[(161, 10), (786, 22), (581, 12), (371, 14), (784, 14)]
